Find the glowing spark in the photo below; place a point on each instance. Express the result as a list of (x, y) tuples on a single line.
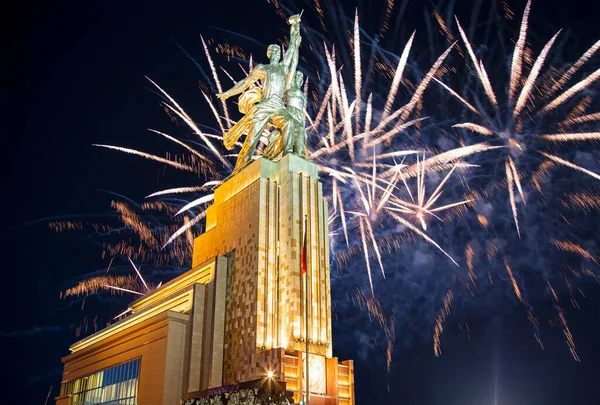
[(424, 83), (185, 227), (357, 72), (513, 281), (122, 313), (516, 177), (584, 200), (366, 250), (511, 193), (178, 142), (422, 235), (123, 289), (573, 69), (515, 71), (196, 202), (582, 119), (526, 91), (177, 165), (215, 77), (180, 190), (571, 165), (138, 273), (474, 127), (479, 68), (572, 247), (439, 323), (576, 137), (458, 96), (182, 114), (583, 84), (397, 78)]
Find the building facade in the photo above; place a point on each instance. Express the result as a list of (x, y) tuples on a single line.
[(244, 313)]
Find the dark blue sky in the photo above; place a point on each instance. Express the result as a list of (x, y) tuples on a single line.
[(74, 75)]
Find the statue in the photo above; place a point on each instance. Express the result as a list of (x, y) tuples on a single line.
[(265, 106), (295, 105), (293, 137)]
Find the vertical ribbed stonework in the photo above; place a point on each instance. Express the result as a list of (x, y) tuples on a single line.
[(259, 213)]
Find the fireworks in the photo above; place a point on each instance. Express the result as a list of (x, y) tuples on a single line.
[(381, 147), (526, 106)]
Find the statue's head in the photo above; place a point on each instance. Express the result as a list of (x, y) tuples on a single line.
[(274, 53), (298, 78)]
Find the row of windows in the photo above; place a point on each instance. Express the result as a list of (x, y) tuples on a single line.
[(113, 386)]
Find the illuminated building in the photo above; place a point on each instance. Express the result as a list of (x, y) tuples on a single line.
[(238, 319)]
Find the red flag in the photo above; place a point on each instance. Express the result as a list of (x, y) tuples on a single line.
[(303, 260)]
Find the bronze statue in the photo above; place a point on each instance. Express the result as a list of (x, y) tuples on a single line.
[(292, 138), (295, 106), (264, 106)]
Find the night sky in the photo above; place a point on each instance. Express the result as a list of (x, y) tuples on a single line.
[(74, 75)]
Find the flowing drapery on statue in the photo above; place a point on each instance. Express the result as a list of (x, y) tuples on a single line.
[(264, 108)]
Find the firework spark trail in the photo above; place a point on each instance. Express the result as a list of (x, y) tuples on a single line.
[(128, 310), (576, 66), (375, 309), (583, 84), (572, 247), (516, 178), (480, 129), (188, 148), (202, 200), (511, 127), (513, 281), (422, 235), (176, 165), (183, 115), (180, 190), (479, 68), (516, 67), (469, 255), (438, 328), (364, 188), (357, 73), (123, 290), (366, 253), (130, 219), (185, 227), (533, 75), (139, 274), (563, 320), (461, 99), (575, 248), (510, 180), (568, 335), (60, 226), (581, 119), (215, 77), (439, 161), (420, 207), (397, 78), (575, 137), (95, 284), (569, 164), (586, 200), (418, 94), (532, 320)]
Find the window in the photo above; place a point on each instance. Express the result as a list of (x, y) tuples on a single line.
[(113, 386)]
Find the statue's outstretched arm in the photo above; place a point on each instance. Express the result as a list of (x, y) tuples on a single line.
[(291, 56), (256, 74)]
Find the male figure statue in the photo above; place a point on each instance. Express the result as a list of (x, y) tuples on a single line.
[(270, 108)]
